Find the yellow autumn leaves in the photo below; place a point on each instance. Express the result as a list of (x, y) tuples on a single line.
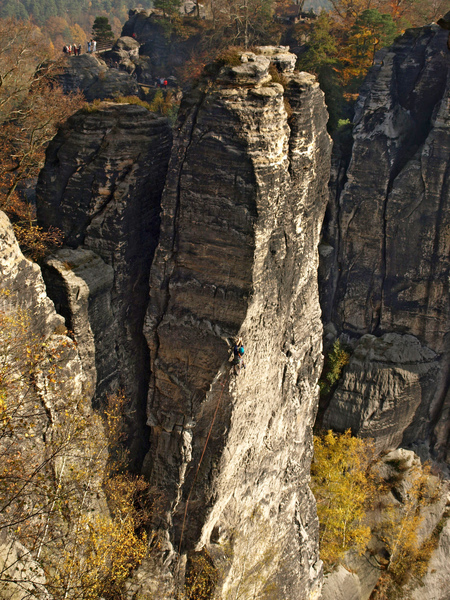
[(65, 501), (373, 505), (342, 487)]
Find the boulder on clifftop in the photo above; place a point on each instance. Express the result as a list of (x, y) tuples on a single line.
[(91, 75)]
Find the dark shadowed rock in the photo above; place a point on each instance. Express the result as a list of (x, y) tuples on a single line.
[(101, 185), (91, 75), (124, 54), (394, 207), (387, 245), (245, 193), (165, 53)]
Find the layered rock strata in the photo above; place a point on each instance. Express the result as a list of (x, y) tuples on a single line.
[(389, 231), (237, 255), (389, 383), (101, 185)]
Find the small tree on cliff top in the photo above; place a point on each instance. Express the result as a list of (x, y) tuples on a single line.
[(101, 30), (169, 7)]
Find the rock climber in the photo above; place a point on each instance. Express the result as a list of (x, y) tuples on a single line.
[(238, 356)]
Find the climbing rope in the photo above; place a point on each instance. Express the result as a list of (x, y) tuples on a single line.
[(200, 462)]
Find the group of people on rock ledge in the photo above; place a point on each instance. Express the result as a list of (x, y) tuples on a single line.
[(75, 49), (72, 49)]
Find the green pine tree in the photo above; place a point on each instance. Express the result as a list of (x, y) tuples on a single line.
[(101, 30)]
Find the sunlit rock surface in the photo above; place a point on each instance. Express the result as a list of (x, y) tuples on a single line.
[(399, 472), (22, 284), (81, 284), (436, 582), (25, 305), (237, 255)]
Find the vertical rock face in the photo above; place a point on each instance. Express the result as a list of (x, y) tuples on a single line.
[(237, 255), (398, 185), (101, 185), (81, 284), (21, 280), (29, 318), (391, 227)]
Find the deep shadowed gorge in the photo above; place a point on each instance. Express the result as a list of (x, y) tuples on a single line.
[(102, 186)]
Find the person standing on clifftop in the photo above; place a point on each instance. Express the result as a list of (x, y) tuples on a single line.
[(89, 46), (94, 45)]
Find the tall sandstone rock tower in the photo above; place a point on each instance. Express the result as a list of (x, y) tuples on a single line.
[(237, 256)]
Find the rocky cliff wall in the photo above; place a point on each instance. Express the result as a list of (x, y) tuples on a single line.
[(40, 394), (382, 389), (228, 455), (101, 185), (388, 235), (237, 255), (165, 53)]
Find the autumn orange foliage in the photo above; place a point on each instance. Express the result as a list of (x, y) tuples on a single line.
[(32, 106)]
